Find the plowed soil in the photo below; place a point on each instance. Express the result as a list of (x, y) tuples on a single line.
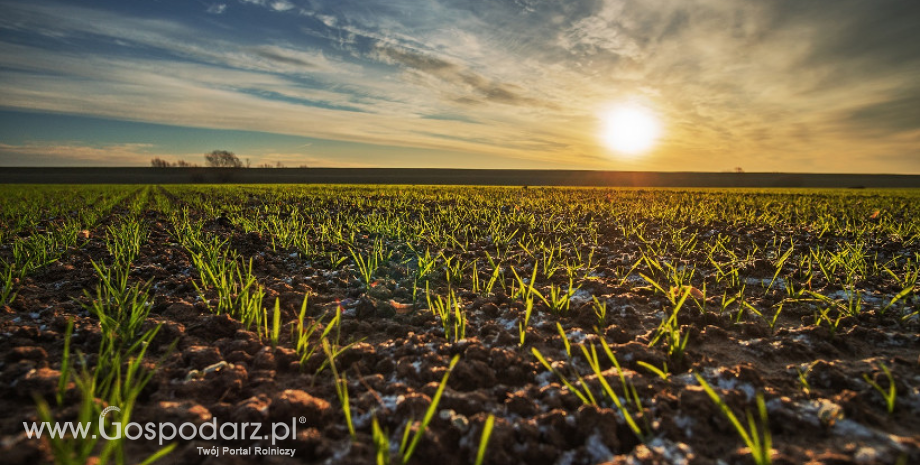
[(219, 369)]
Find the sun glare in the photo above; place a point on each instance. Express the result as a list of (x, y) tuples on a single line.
[(630, 129)]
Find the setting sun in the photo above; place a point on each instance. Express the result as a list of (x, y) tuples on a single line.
[(630, 129)]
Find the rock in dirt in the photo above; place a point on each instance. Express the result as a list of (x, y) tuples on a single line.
[(41, 381), (33, 353), (412, 405), (520, 404), (601, 422), (23, 450), (253, 409), (176, 412), (471, 375), (199, 357), (295, 403), (180, 310), (213, 327), (264, 360)]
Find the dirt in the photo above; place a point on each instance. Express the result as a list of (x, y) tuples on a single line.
[(219, 369)]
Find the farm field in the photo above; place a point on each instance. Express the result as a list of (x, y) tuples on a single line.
[(453, 325)]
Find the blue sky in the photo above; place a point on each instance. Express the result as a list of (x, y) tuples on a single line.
[(822, 85)]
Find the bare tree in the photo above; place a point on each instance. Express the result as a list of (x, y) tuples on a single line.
[(222, 159)]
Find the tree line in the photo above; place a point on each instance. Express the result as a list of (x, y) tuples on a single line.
[(215, 159)]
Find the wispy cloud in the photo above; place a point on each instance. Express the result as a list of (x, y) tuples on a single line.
[(217, 8), (275, 5), (474, 88)]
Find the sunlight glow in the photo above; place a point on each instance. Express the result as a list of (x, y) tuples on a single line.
[(630, 129)]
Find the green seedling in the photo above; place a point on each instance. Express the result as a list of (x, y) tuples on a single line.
[(779, 267), (303, 332), (657, 287), (276, 324), (121, 308), (476, 285), (484, 439), (381, 442), (565, 340), (671, 332), (770, 321), (336, 349), (523, 324), (341, 389), (527, 291), (414, 430), (660, 372), (124, 241), (559, 301), (629, 391), (757, 438), (65, 364), (366, 266), (891, 394), (454, 269), (238, 291), (600, 310), (453, 318), (584, 394), (803, 377), (7, 277), (497, 275), (723, 306), (118, 379), (833, 323)]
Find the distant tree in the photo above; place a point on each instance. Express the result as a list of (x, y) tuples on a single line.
[(269, 165), (738, 169), (222, 159), (160, 163)]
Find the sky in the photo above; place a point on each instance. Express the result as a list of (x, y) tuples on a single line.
[(766, 86)]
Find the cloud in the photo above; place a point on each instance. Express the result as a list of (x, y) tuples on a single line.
[(894, 113), (217, 8), (275, 5), (294, 160), (77, 154), (480, 89), (284, 57)]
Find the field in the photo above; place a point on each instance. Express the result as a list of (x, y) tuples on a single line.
[(458, 325)]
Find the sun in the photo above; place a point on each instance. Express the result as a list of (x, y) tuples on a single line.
[(630, 129)]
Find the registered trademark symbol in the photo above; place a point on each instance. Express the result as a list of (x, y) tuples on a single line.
[(302, 420)]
